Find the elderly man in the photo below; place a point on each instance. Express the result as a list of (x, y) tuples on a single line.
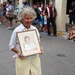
[(51, 14)]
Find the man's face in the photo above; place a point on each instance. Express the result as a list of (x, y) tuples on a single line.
[(50, 4)]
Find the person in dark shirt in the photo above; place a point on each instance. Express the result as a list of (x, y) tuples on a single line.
[(72, 13), (4, 8), (37, 19)]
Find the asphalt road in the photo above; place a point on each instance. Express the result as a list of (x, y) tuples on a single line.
[(58, 57)]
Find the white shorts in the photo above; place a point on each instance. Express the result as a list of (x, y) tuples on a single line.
[(45, 21)]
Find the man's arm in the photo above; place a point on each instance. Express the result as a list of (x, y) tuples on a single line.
[(55, 12)]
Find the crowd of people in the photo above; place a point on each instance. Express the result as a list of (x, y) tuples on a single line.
[(6, 13), (45, 20), (1, 13), (46, 15), (72, 13)]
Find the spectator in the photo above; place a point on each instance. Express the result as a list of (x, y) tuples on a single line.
[(10, 10), (51, 15), (17, 8), (39, 7), (72, 33), (37, 19), (24, 4), (42, 21), (42, 4), (72, 13), (17, 11), (4, 11), (1, 13), (45, 19)]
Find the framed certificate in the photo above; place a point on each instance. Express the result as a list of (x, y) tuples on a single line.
[(29, 42)]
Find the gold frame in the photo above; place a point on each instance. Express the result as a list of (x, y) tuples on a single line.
[(32, 34)]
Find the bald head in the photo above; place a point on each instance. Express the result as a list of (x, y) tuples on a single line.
[(50, 4)]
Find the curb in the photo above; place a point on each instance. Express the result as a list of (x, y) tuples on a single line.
[(61, 33)]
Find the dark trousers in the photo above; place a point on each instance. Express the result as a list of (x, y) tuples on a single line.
[(51, 20), (72, 19)]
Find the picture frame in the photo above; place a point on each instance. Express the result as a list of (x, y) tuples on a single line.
[(29, 42)]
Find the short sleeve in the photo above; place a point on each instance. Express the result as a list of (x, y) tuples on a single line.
[(13, 40)]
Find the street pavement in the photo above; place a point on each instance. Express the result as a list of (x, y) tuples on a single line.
[(58, 57)]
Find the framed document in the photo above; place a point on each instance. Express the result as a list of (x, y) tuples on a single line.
[(29, 42)]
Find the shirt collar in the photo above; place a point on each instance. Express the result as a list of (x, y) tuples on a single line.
[(23, 28)]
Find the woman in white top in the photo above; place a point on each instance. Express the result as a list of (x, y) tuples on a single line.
[(31, 64)]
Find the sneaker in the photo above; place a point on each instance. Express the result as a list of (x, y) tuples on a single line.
[(45, 33), (9, 28), (55, 35), (48, 34)]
